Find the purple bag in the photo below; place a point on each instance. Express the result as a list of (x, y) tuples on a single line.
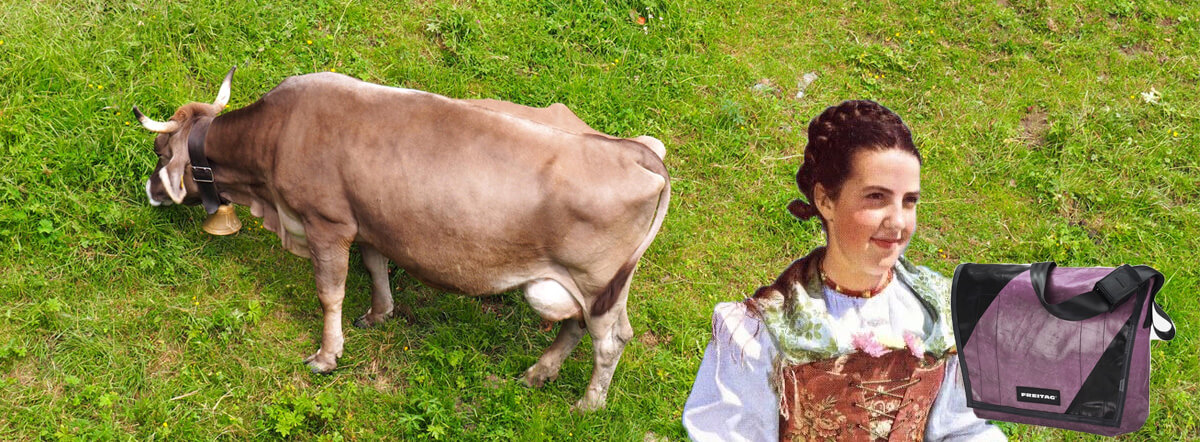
[(1066, 348)]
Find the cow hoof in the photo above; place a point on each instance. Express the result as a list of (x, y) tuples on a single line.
[(537, 376), (321, 363), (585, 405), (370, 320)]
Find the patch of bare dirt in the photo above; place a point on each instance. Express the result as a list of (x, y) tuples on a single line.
[(380, 378), (1076, 214), (493, 305), (166, 362), (1033, 127), (23, 372), (1136, 48), (652, 340), (492, 381)]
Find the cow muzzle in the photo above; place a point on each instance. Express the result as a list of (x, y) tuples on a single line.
[(150, 195)]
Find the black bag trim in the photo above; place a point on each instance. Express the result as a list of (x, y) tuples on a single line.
[(964, 316), (1099, 382)]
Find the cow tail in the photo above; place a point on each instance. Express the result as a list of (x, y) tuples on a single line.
[(608, 297)]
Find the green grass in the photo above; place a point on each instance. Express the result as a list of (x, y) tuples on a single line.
[(122, 320)]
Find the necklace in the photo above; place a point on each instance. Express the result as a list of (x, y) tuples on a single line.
[(866, 294)]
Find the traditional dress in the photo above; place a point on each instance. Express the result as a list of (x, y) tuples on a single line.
[(799, 361)]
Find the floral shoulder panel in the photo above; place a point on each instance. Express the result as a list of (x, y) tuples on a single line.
[(794, 312)]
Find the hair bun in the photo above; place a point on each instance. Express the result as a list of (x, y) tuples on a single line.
[(801, 209)]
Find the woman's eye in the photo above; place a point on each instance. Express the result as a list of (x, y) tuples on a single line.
[(910, 201), (875, 196)]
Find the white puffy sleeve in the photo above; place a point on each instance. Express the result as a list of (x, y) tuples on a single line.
[(951, 419), (732, 398)]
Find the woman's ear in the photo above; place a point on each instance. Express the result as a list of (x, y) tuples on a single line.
[(823, 201)]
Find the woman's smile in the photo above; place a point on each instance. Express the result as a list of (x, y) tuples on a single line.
[(887, 244)]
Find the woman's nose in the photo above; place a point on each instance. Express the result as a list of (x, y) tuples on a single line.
[(894, 219)]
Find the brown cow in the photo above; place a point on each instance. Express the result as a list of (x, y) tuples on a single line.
[(472, 196)]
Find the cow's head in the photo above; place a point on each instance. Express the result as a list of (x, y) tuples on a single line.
[(172, 177)]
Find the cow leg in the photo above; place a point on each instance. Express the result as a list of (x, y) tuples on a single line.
[(330, 257), (381, 292), (553, 301), (546, 369), (609, 332)]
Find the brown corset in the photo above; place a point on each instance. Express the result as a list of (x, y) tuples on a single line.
[(857, 397)]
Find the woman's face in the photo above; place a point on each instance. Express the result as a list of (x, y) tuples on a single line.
[(872, 219)]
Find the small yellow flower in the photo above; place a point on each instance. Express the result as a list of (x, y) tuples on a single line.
[(1175, 133), (897, 34), (308, 41), (164, 425), (405, 348), (910, 42), (126, 123), (92, 85), (100, 86), (332, 69)]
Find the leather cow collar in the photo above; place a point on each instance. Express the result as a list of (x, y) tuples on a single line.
[(202, 172)]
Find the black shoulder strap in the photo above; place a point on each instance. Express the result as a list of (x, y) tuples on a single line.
[(1108, 293), (202, 173)]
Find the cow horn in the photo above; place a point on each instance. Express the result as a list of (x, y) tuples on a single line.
[(155, 126), (223, 94)]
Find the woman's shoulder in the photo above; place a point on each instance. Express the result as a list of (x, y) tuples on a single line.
[(735, 325), (730, 315), (798, 273)]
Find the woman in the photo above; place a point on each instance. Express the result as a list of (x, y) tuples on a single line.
[(851, 342)]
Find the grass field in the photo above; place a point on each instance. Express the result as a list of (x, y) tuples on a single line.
[(1050, 130)]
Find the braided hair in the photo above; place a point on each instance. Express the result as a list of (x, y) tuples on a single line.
[(834, 137)]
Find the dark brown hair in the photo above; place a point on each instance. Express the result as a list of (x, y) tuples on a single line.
[(834, 137)]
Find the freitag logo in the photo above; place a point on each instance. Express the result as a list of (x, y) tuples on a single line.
[(1038, 395)]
